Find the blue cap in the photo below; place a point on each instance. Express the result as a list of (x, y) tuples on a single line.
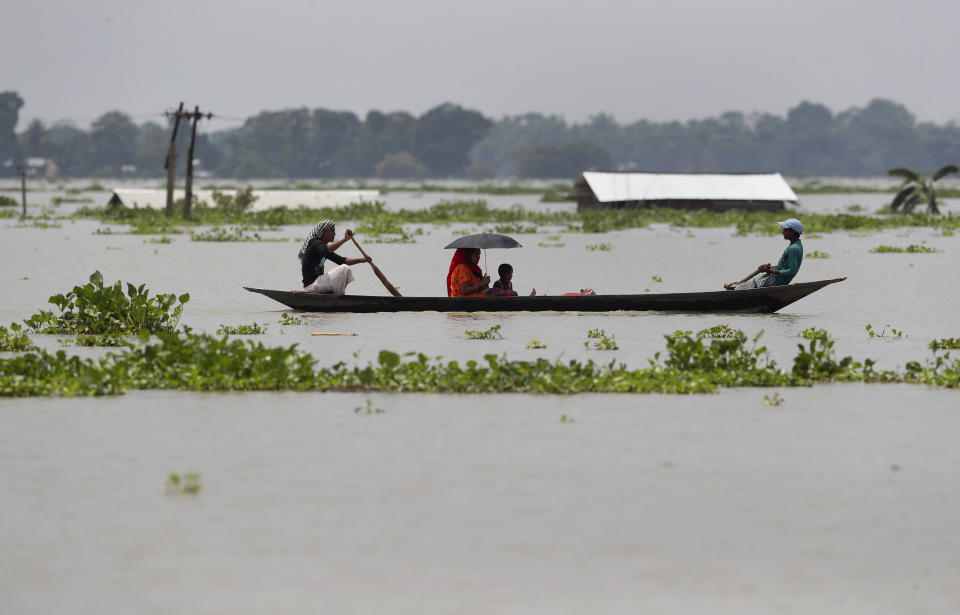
[(792, 223)]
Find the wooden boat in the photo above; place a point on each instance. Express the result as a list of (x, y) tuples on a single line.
[(757, 300)]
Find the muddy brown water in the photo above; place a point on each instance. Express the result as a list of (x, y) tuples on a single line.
[(839, 500)]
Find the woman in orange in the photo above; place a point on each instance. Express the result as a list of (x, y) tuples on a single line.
[(465, 278)]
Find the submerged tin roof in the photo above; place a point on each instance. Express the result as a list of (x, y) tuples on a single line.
[(157, 199), (688, 186)]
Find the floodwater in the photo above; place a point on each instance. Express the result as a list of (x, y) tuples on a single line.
[(842, 499)]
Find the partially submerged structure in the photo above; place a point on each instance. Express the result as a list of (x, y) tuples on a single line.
[(713, 192), (265, 199)]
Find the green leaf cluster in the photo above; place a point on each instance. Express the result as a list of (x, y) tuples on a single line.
[(96, 309)]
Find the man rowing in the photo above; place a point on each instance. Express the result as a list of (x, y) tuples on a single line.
[(787, 267), (317, 249)]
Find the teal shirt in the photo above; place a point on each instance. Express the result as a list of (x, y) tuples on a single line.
[(789, 263)]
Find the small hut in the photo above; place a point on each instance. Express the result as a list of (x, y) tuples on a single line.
[(713, 192)]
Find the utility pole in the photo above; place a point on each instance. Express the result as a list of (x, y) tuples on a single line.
[(188, 200), (23, 189), (171, 162)]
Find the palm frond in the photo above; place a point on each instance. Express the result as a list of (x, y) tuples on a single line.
[(947, 170), (903, 194), (906, 174)]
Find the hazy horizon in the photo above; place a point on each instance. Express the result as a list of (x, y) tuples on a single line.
[(631, 60)]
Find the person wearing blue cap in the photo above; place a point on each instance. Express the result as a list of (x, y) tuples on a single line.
[(787, 267)]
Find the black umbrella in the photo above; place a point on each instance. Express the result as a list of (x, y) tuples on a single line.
[(484, 241)]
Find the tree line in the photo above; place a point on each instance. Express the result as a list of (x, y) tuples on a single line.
[(451, 141)]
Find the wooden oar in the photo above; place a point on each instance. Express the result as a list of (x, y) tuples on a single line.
[(376, 270), (733, 285)]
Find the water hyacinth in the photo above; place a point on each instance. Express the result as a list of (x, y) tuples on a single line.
[(95, 309)]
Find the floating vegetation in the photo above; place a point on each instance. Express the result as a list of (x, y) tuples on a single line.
[(558, 244), (947, 343), (383, 230), (291, 321), (720, 332), (235, 234), (814, 333), (817, 254), (774, 400), (911, 249), (95, 309), (161, 239), (566, 419), (368, 408), (601, 340), (106, 339), (6, 201), (477, 212), (14, 339), (690, 364), (493, 333), (894, 333), (602, 247), (656, 278), (536, 345), (254, 329), (185, 484), (515, 228), (37, 223)]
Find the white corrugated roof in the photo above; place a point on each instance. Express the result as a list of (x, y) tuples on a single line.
[(688, 186), (157, 199)]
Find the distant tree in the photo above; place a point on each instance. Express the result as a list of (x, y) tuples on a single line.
[(113, 141), (402, 165), (10, 104), (565, 161), (916, 189), (445, 135)]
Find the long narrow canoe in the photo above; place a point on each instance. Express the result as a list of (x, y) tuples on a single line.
[(757, 300)]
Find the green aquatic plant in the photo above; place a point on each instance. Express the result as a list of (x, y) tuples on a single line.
[(60, 200), (288, 320), (6, 201), (721, 332), (185, 484), (602, 247), (95, 309), (536, 345), (235, 234), (773, 400), (254, 329), (894, 333), (817, 254), (689, 364), (515, 228), (911, 249), (14, 339), (161, 239), (602, 341), (656, 278), (493, 333), (368, 408), (558, 244), (813, 333), (107, 339), (947, 343)]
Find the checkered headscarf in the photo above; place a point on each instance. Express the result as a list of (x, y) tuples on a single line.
[(322, 227)]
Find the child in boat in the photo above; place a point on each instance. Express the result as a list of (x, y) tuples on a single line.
[(504, 286)]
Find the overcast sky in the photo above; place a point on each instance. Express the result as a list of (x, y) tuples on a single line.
[(634, 59)]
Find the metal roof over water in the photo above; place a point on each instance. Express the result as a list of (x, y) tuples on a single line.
[(157, 199), (612, 187)]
